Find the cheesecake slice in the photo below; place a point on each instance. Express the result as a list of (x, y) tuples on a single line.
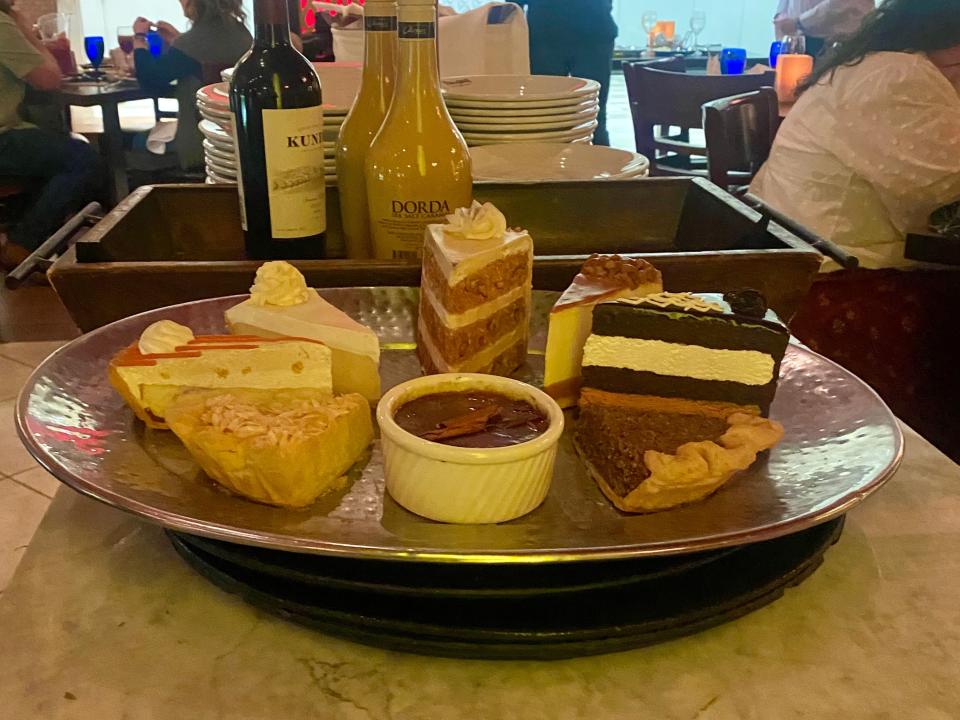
[(282, 305), (284, 448), (150, 381), (603, 278)]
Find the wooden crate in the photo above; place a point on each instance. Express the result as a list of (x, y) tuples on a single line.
[(168, 244)]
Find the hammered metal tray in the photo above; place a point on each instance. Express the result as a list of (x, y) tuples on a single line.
[(842, 443)]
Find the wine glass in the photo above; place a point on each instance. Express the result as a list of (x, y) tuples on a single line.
[(125, 37), (649, 22), (793, 45), (95, 48), (698, 21)]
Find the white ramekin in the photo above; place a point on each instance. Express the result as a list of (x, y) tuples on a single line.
[(467, 485)]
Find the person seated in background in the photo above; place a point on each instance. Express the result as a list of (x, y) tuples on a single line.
[(215, 41), (574, 38), (869, 151), (821, 21), (69, 168), (872, 146)]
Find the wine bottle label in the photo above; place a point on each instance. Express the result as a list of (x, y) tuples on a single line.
[(417, 30), (243, 197), (293, 146), (380, 24)]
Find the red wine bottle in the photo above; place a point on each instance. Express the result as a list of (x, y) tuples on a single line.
[(278, 128)]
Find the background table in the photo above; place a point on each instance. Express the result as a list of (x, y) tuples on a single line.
[(104, 620), (108, 97)]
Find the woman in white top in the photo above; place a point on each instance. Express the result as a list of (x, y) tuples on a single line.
[(872, 146)]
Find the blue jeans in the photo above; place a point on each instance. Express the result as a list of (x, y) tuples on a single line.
[(70, 170)]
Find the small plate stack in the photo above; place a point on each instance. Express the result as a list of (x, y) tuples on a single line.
[(555, 162), (340, 82), (213, 104), (493, 109)]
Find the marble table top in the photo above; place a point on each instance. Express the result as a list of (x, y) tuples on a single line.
[(103, 620)]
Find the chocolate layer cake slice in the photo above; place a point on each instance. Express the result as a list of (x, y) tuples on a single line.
[(676, 390), (475, 294)]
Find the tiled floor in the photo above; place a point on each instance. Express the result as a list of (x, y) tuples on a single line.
[(25, 487)]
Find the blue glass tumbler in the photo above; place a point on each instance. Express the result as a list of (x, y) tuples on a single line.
[(775, 49), (155, 43), (733, 61)]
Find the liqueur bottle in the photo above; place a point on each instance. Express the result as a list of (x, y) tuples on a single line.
[(418, 167), (365, 118)]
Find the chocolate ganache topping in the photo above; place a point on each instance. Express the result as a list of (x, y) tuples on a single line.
[(749, 303), (473, 419)]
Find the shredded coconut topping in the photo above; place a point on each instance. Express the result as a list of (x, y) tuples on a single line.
[(275, 423)]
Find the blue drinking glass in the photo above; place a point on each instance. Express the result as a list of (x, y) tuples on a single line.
[(775, 49), (733, 61), (95, 48), (155, 43)]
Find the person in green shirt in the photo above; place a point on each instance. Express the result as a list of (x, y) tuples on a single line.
[(574, 38), (68, 168)]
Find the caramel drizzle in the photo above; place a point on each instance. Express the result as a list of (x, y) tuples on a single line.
[(132, 357)]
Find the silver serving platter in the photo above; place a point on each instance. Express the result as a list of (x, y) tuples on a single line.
[(842, 443)]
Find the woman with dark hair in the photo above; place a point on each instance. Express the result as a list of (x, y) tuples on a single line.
[(872, 146), (869, 151), (216, 40)]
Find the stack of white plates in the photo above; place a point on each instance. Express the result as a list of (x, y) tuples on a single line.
[(213, 104), (492, 109), (340, 82), (555, 162)]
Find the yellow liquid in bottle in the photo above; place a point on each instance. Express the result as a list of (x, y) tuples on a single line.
[(364, 120), (418, 167)]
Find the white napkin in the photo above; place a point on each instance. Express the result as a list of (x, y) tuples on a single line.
[(162, 134), (491, 40), (485, 41)]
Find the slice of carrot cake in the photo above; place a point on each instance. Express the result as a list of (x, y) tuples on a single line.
[(475, 294)]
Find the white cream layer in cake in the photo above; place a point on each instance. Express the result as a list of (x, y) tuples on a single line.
[(455, 321), (748, 367)]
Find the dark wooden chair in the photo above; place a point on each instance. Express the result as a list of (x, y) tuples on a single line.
[(740, 131), (632, 69), (670, 104)]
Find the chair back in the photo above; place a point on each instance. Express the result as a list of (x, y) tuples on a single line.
[(675, 100), (631, 72), (740, 131)]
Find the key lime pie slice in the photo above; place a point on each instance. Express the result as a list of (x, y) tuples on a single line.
[(602, 278), (150, 373), (281, 304)]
